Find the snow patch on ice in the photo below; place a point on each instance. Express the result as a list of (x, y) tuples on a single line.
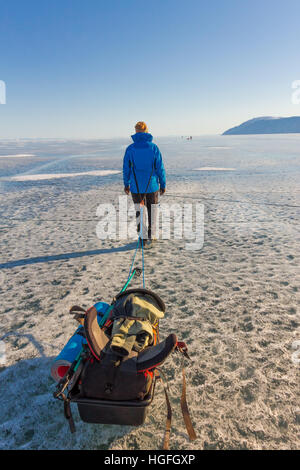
[(212, 168), (18, 155), (63, 175), (219, 147)]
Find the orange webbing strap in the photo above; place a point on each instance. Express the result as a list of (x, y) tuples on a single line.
[(182, 348), (185, 410), (166, 443), (168, 422)]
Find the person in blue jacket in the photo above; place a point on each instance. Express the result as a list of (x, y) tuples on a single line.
[(144, 175)]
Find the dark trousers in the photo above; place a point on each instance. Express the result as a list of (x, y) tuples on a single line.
[(150, 198)]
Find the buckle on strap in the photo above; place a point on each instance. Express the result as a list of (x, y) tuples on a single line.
[(183, 349)]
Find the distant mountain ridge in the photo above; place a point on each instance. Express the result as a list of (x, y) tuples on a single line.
[(267, 125)]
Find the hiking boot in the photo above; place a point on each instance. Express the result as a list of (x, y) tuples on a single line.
[(150, 243), (143, 243)]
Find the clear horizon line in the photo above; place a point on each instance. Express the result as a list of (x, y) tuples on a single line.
[(104, 138)]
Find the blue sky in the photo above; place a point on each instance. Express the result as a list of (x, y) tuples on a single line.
[(92, 68)]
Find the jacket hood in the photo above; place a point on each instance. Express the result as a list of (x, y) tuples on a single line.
[(142, 137)]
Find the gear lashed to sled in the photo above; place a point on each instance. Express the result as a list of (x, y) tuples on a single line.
[(112, 380)]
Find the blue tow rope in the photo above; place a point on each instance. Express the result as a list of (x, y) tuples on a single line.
[(140, 239)]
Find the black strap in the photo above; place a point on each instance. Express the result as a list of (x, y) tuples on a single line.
[(142, 199), (78, 313), (76, 309), (143, 292), (136, 182), (111, 362), (68, 414)]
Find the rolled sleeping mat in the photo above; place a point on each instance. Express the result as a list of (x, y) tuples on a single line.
[(73, 347), (68, 355)]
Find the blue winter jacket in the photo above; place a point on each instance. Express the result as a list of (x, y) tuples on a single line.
[(145, 158)]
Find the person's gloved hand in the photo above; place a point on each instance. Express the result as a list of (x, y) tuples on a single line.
[(126, 189), (162, 191)]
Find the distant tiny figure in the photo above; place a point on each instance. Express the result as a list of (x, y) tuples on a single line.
[(144, 176)]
